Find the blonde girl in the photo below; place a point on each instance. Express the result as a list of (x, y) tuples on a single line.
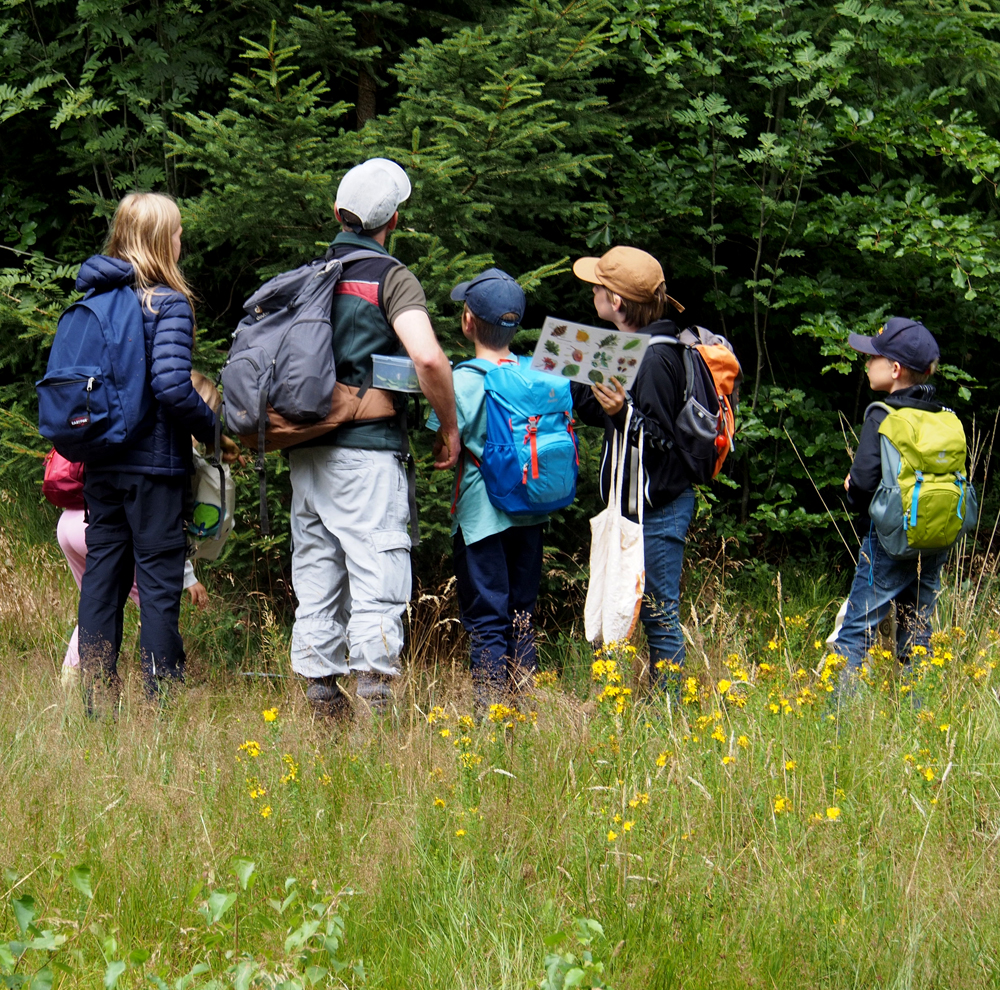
[(135, 498)]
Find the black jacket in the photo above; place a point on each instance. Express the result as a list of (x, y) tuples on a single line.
[(657, 395), (163, 445), (866, 469)]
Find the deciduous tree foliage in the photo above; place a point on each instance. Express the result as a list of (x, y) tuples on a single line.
[(802, 169)]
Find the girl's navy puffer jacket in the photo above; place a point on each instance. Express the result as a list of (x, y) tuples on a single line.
[(163, 446)]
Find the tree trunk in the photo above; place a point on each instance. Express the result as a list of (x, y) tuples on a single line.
[(368, 38)]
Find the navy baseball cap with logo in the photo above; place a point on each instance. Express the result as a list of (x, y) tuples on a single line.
[(906, 341), (491, 296)]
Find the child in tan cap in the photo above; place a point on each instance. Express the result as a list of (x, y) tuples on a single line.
[(630, 292)]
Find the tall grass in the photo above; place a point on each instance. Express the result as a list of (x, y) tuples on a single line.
[(755, 833)]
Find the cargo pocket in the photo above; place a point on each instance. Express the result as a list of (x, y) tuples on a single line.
[(392, 548)]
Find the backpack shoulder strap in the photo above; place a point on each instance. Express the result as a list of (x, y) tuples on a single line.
[(365, 254), (662, 338), (877, 405)]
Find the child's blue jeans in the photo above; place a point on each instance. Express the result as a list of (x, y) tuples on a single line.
[(497, 581), (664, 532), (878, 582)]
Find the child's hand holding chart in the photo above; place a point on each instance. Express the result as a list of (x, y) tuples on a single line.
[(588, 354)]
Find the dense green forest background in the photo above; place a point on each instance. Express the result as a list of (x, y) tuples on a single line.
[(802, 169)]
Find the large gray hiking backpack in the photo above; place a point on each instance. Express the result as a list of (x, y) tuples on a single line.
[(282, 352)]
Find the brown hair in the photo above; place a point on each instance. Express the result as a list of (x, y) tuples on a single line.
[(493, 335), (641, 314), (919, 377), (141, 234), (349, 221)]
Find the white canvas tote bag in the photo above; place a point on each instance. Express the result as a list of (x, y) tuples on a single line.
[(212, 520), (617, 567)]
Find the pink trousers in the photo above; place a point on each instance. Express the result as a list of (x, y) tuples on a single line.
[(72, 534)]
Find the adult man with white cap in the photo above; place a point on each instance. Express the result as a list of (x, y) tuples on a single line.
[(350, 547)]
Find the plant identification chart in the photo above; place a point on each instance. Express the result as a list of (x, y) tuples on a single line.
[(588, 354)]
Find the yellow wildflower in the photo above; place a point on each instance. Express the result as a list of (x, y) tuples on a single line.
[(743, 742), (270, 714), (612, 835), (790, 765), (444, 733), (833, 814), (500, 713), (627, 826), (726, 760), (459, 832), (439, 802), (293, 769), (782, 804), (265, 812), (724, 686)]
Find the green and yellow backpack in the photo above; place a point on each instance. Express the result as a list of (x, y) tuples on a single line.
[(925, 501)]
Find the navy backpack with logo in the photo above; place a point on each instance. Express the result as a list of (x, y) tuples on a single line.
[(96, 393)]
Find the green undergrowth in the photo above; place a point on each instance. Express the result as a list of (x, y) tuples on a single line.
[(753, 832)]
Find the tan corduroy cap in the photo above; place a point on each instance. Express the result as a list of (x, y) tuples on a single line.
[(627, 271)]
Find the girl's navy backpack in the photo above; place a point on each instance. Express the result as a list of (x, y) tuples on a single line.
[(96, 393)]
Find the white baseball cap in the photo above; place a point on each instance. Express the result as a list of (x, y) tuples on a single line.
[(372, 191)]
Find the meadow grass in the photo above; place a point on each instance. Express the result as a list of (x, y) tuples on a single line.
[(758, 833)]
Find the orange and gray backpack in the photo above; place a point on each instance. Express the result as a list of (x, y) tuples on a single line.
[(705, 427)]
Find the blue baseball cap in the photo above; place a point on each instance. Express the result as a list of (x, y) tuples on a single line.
[(906, 341), (491, 296)]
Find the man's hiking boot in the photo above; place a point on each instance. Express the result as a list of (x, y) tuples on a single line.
[(375, 693), (328, 698)]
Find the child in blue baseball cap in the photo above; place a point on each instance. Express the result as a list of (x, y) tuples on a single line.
[(498, 557), (901, 358)]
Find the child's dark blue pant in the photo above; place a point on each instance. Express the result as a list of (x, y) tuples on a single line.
[(135, 526), (878, 582), (497, 580)]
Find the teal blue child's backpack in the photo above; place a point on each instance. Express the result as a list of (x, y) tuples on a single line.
[(530, 460)]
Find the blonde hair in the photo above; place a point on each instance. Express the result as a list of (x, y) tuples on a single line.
[(141, 234)]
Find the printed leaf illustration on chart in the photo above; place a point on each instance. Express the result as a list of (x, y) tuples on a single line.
[(590, 355)]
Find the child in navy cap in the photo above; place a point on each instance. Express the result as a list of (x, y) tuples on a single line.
[(498, 557), (902, 356)]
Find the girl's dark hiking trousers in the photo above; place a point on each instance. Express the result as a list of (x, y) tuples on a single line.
[(135, 526)]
